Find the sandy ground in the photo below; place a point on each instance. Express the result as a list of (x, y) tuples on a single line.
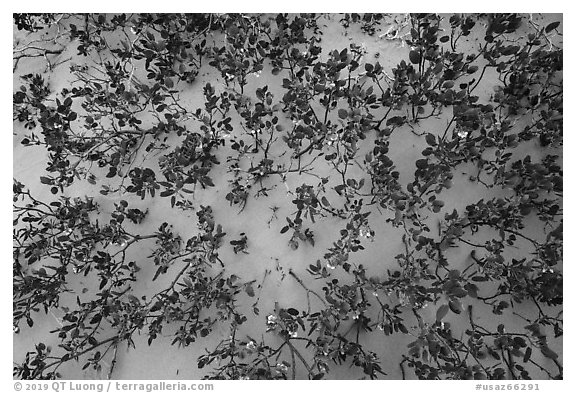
[(268, 249)]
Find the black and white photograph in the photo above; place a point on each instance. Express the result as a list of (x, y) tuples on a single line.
[(287, 196)]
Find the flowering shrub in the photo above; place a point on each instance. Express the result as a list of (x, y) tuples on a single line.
[(316, 132)]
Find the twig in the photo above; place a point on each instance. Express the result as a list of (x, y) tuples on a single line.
[(43, 54), (404, 358), (293, 363), (113, 363), (304, 362), (291, 272)]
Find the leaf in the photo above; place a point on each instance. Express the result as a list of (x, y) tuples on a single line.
[(472, 69), (415, 56), (133, 299), (292, 311), (339, 188), (441, 312), (546, 351), (208, 181), (472, 290), (159, 271), (455, 306), (527, 354), (431, 139), (95, 319), (421, 163), (285, 229), (342, 113), (112, 172), (551, 26)]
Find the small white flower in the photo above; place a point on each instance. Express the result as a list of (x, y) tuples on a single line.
[(403, 298), (462, 133), (271, 318), (293, 334), (281, 367), (330, 266), (271, 322), (16, 329), (251, 346)]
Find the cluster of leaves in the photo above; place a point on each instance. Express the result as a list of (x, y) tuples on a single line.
[(32, 22), (335, 106), (368, 22)]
